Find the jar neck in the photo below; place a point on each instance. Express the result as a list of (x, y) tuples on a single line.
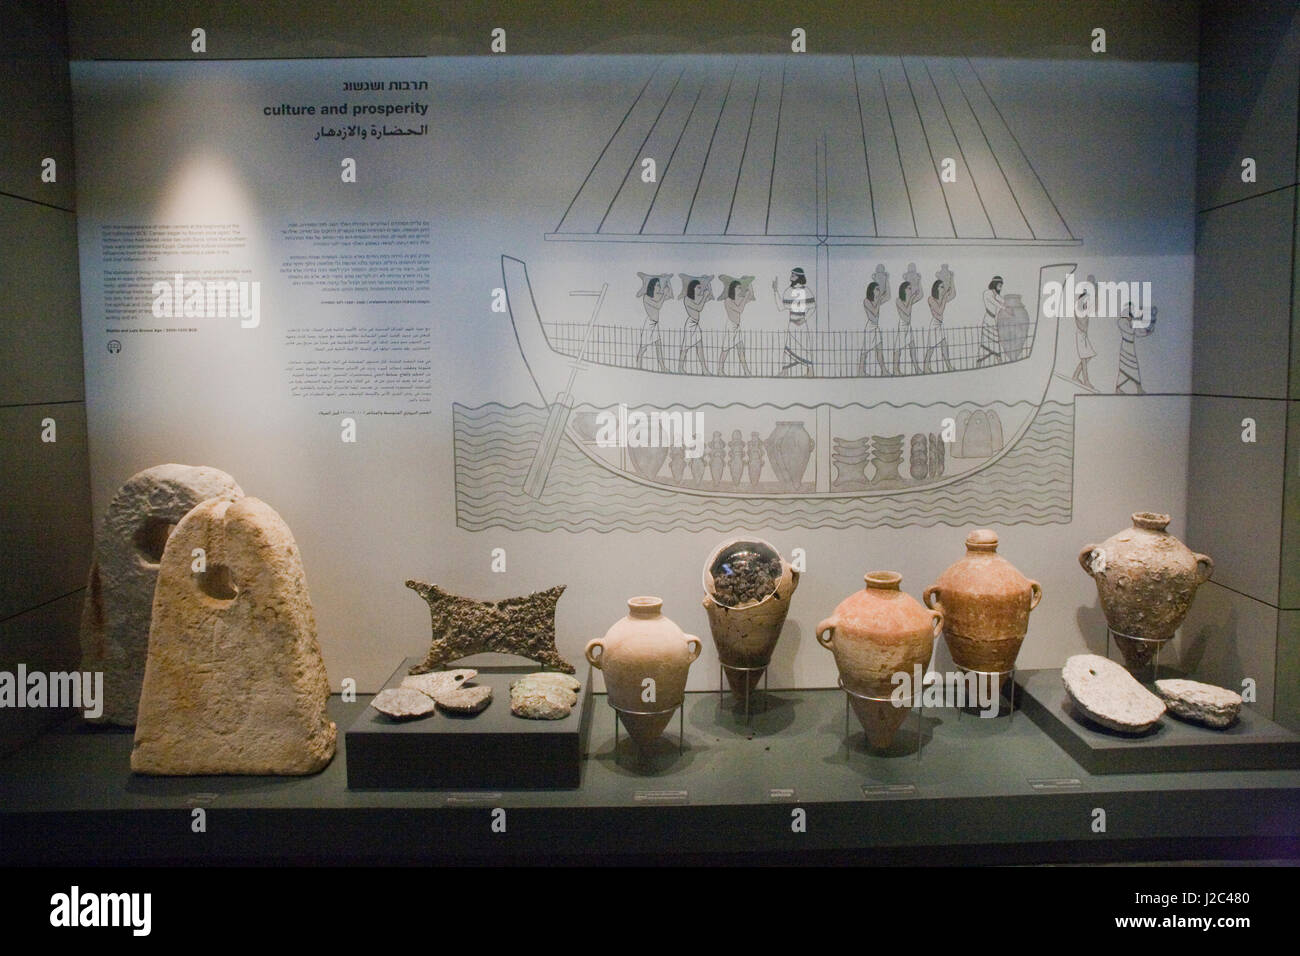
[(645, 607)]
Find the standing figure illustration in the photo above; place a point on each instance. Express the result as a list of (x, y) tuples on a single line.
[(872, 340), (1082, 315), (943, 291), (800, 305), (909, 293), (990, 349), (1131, 328), (654, 291), (696, 290), (736, 294)]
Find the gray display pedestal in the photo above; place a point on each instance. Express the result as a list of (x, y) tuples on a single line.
[(1253, 743), (492, 749)]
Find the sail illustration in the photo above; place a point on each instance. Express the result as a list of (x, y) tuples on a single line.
[(917, 151)]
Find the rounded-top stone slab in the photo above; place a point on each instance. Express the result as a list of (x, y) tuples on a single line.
[(234, 682), (1206, 704), (1109, 695), (129, 545)]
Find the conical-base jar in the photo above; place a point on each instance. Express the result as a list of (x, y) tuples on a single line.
[(645, 658), (985, 603), (1146, 579), (745, 634), (874, 634)]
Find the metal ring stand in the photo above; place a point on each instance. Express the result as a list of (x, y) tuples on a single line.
[(681, 723), (1157, 641), (748, 670), (919, 711), (999, 675)]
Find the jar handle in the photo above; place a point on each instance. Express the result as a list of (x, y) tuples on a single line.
[(931, 598), (1035, 594), (1085, 558), (595, 659), (1204, 559), (938, 622), (699, 646), (825, 627)]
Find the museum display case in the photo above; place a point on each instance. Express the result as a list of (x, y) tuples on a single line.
[(810, 331)]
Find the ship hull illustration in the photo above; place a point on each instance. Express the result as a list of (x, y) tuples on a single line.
[(847, 428)]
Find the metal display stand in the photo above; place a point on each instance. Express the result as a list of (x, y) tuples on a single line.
[(722, 686), (918, 710), (999, 675), (1159, 642), (681, 723)]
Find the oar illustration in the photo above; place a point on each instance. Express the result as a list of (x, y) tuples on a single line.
[(558, 416)]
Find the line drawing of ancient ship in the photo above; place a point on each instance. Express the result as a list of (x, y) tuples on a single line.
[(814, 155), (824, 408)]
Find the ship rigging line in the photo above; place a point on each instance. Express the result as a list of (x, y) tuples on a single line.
[(992, 152), (608, 143)]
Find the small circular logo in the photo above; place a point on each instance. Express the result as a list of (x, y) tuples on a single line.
[(114, 346)]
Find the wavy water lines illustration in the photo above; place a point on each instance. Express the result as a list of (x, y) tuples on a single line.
[(494, 446)]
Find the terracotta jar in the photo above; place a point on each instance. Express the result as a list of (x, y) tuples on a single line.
[(1146, 579), (746, 634), (645, 658), (985, 604), (874, 634)]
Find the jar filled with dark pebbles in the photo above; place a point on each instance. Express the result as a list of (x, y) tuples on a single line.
[(745, 577)]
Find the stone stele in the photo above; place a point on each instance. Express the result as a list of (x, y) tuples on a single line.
[(1109, 695), (234, 682), (119, 591), (1215, 707), (519, 625)]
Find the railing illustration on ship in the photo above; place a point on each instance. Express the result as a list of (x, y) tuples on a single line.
[(757, 353)]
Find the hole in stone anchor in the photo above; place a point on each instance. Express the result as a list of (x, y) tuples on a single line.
[(151, 537), (216, 583)]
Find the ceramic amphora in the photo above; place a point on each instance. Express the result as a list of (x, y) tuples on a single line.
[(746, 634), (1146, 579), (985, 604), (874, 634), (645, 658)]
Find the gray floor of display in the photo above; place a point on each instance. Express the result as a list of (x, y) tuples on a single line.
[(995, 790)]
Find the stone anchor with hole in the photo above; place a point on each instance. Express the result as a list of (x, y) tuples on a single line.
[(234, 682), (119, 592)]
